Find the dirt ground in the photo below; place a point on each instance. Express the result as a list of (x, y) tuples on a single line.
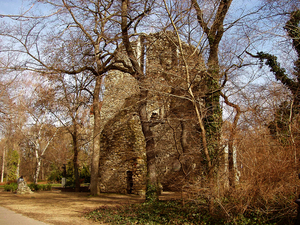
[(61, 208), (66, 208)]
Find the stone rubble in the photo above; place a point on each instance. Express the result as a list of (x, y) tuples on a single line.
[(23, 188)]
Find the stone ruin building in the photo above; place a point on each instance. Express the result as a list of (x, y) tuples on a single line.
[(175, 129)]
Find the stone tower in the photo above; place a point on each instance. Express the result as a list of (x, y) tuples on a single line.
[(172, 115)]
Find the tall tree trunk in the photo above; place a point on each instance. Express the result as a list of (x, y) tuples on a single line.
[(232, 136), (214, 32), (152, 182), (96, 139), (213, 121), (231, 169), (75, 158), (3, 165), (37, 170), (18, 168)]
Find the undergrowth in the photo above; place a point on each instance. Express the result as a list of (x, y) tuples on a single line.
[(13, 187), (175, 212)]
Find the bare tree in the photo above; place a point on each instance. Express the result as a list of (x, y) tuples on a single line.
[(213, 27), (37, 133), (75, 37), (70, 107)]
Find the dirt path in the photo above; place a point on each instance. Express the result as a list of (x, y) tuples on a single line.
[(61, 208)]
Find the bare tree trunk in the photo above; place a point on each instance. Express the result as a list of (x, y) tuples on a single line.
[(291, 134), (214, 32), (39, 156), (231, 166), (232, 135), (18, 168), (152, 183), (75, 159), (96, 139), (231, 169), (38, 168), (3, 165), (43, 171)]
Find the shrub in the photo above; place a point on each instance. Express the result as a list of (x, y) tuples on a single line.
[(70, 182), (55, 174), (40, 187), (85, 174), (35, 187), (11, 187), (47, 187)]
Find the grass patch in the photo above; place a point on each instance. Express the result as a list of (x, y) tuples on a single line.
[(56, 185)]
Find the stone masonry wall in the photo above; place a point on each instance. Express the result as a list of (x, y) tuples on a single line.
[(123, 157)]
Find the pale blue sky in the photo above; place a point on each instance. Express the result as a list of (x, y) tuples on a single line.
[(14, 6), (11, 6)]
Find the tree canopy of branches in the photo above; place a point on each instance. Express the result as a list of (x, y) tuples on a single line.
[(75, 44), (291, 81)]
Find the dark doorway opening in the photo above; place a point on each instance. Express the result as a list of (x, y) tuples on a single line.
[(129, 182)]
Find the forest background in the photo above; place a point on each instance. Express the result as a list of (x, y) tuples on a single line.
[(237, 71)]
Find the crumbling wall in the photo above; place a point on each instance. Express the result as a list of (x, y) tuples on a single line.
[(122, 155), (176, 132)]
